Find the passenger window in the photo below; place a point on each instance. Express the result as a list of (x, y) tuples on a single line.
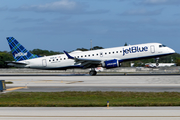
[(105, 53), (81, 56), (92, 54), (113, 52), (97, 54), (85, 56), (89, 55), (64, 58), (57, 59), (49, 60), (116, 51), (109, 52)]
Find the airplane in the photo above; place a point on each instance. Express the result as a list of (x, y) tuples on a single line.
[(106, 58)]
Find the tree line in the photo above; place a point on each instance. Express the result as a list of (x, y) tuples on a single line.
[(7, 56)]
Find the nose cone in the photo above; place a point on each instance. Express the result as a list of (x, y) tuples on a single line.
[(171, 51)]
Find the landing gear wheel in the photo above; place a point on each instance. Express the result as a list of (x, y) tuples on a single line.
[(157, 63), (92, 73)]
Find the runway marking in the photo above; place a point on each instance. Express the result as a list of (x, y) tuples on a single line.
[(74, 82), (16, 88), (85, 116)]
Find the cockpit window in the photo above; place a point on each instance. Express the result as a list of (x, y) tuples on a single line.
[(162, 46)]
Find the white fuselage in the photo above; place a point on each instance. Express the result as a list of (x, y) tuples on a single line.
[(120, 53)]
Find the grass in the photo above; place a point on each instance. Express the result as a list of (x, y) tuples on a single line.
[(88, 99)]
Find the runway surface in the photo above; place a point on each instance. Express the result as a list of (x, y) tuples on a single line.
[(90, 113), (98, 88), (148, 83), (161, 83), (99, 74)]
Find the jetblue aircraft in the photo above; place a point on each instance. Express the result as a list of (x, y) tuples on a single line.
[(107, 58)]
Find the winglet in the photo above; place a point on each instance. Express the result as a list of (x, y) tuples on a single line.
[(69, 57)]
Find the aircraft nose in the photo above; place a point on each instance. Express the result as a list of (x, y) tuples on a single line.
[(171, 50)]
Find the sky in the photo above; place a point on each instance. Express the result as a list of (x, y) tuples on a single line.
[(70, 24)]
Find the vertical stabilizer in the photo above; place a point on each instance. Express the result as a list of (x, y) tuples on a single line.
[(18, 51)]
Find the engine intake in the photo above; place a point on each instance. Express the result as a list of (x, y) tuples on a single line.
[(111, 63)]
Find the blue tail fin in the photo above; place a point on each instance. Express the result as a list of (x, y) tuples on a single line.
[(18, 51)]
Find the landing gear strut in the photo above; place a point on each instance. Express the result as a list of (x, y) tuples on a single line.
[(92, 72), (157, 64)]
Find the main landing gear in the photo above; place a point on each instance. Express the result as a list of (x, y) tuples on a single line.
[(92, 72)]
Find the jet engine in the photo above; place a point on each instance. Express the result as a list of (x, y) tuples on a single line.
[(111, 63)]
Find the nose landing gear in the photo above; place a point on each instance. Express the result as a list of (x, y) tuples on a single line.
[(157, 64)]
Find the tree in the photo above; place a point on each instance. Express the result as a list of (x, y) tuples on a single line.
[(178, 62), (5, 56), (126, 64), (82, 49), (165, 59), (139, 63), (44, 52), (97, 47)]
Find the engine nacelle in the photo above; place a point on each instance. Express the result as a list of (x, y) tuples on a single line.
[(111, 63)]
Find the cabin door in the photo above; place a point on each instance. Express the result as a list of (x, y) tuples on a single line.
[(44, 64), (152, 49)]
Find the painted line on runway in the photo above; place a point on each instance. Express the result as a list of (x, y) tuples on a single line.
[(16, 88), (85, 116), (74, 82)]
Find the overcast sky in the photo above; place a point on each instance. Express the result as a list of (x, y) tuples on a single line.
[(69, 24)]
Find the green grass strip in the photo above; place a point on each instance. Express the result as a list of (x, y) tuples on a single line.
[(88, 99)]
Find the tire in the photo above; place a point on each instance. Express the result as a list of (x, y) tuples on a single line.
[(157, 64), (95, 72), (92, 73)]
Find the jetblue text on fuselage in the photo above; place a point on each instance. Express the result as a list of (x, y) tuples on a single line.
[(134, 49), (20, 54)]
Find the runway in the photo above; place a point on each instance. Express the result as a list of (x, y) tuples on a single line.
[(90, 113), (97, 88), (161, 83), (99, 74)]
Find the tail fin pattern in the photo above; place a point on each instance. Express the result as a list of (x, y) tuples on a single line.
[(18, 51)]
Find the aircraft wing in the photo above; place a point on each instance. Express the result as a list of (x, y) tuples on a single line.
[(84, 62)]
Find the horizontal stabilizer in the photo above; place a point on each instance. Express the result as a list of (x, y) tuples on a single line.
[(18, 63)]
